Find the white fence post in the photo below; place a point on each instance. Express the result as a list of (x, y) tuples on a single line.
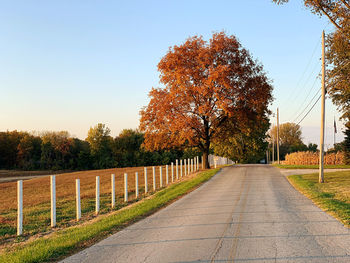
[(181, 168), (177, 169), (185, 166), (146, 184), (53, 200), (198, 163), (195, 164), (125, 187), (172, 172), (188, 167), (192, 165), (137, 184), (160, 177), (97, 210), (154, 178), (167, 174), (77, 198), (113, 189), (19, 207)]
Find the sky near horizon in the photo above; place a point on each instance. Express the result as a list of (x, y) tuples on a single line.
[(68, 65)]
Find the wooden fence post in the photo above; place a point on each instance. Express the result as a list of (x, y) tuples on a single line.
[(19, 207), (53, 200), (177, 169), (167, 174), (97, 206), (160, 177), (137, 184), (154, 178), (188, 167), (77, 199), (172, 172), (181, 168), (125, 187), (146, 183), (185, 167), (113, 189)]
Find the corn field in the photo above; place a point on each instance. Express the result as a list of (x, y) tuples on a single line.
[(310, 158)]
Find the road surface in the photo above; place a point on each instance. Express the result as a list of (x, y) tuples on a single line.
[(246, 213)]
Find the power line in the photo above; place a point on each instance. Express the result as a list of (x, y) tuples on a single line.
[(307, 96), (305, 69), (309, 110), (307, 105)]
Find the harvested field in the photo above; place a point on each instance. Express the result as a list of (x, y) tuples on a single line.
[(36, 197)]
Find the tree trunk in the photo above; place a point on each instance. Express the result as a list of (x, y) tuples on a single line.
[(206, 159)]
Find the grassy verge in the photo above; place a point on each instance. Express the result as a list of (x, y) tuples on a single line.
[(333, 196), (69, 240), (329, 166)]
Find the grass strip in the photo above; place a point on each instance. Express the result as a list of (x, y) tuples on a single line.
[(327, 166), (333, 196), (67, 241)]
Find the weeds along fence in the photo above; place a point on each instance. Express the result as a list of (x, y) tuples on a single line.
[(312, 158), (36, 205)]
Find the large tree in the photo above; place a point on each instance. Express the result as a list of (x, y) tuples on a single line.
[(206, 84)]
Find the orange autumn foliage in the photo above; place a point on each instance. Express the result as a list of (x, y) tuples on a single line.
[(207, 84)]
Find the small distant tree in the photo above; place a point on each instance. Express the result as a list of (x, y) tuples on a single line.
[(101, 146), (206, 84), (312, 147), (289, 138)]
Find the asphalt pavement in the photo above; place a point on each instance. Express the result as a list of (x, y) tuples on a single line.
[(246, 213)]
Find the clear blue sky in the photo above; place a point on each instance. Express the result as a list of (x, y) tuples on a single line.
[(68, 65)]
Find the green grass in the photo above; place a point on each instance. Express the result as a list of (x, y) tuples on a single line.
[(72, 239), (37, 218), (284, 166), (333, 196)]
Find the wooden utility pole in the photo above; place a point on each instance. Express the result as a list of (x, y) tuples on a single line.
[(320, 175), (273, 149), (278, 138)]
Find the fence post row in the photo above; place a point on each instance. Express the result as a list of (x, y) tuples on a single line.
[(189, 166), (53, 200), (97, 195), (146, 183), (160, 177), (154, 178), (19, 207), (137, 184), (77, 199), (113, 189), (125, 187)]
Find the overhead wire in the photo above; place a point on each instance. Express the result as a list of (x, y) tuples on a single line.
[(309, 110), (305, 69)]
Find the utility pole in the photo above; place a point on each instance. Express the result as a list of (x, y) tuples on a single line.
[(278, 138), (320, 175), (273, 149)]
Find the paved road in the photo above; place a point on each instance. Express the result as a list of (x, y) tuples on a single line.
[(246, 213)]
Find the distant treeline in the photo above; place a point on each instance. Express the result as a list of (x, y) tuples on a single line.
[(60, 151)]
